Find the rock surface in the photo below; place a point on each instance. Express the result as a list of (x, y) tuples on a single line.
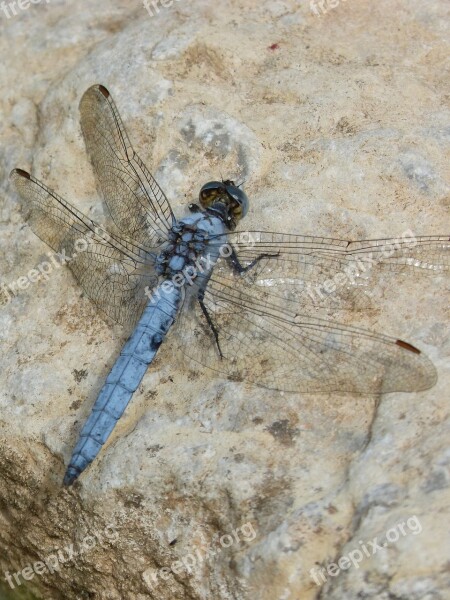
[(339, 123)]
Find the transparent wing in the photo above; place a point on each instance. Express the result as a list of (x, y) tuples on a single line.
[(268, 335), (333, 273), (281, 349), (137, 204), (112, 271)]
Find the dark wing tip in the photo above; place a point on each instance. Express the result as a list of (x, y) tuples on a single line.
[(92, 92), (104, 91), (407, 346), (20, 172)]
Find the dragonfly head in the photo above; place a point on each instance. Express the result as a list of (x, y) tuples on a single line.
[(225, 200)]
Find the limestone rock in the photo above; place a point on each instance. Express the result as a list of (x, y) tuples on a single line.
[(336, 115)]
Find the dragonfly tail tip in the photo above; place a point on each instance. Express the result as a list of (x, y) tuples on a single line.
[(70, 476)]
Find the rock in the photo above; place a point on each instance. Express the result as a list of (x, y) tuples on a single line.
[(334, 114)]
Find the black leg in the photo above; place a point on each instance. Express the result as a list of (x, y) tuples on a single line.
[(194, 208), (240, 268), (236, 265), (201, 295)]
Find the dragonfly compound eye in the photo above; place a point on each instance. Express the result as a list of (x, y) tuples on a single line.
[(229, 195), (239, 206), (211, 192)]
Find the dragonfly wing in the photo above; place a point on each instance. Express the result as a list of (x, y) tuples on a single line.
[(113, 271), (273, 342), (333, 273), (137, 204)]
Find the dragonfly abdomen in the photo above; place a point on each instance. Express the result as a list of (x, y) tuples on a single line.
[(124, 378)]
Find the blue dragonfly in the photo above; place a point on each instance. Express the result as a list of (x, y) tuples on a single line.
[(244, 304)]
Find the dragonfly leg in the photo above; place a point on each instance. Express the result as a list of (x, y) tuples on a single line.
[(194, 208), (200, 297), (234, 260)]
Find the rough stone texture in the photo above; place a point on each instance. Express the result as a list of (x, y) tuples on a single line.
[(340, 125)]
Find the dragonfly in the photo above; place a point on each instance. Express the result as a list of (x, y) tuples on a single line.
[(241, 303)]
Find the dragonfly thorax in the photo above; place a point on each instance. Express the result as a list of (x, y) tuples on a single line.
[(188, 243)]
